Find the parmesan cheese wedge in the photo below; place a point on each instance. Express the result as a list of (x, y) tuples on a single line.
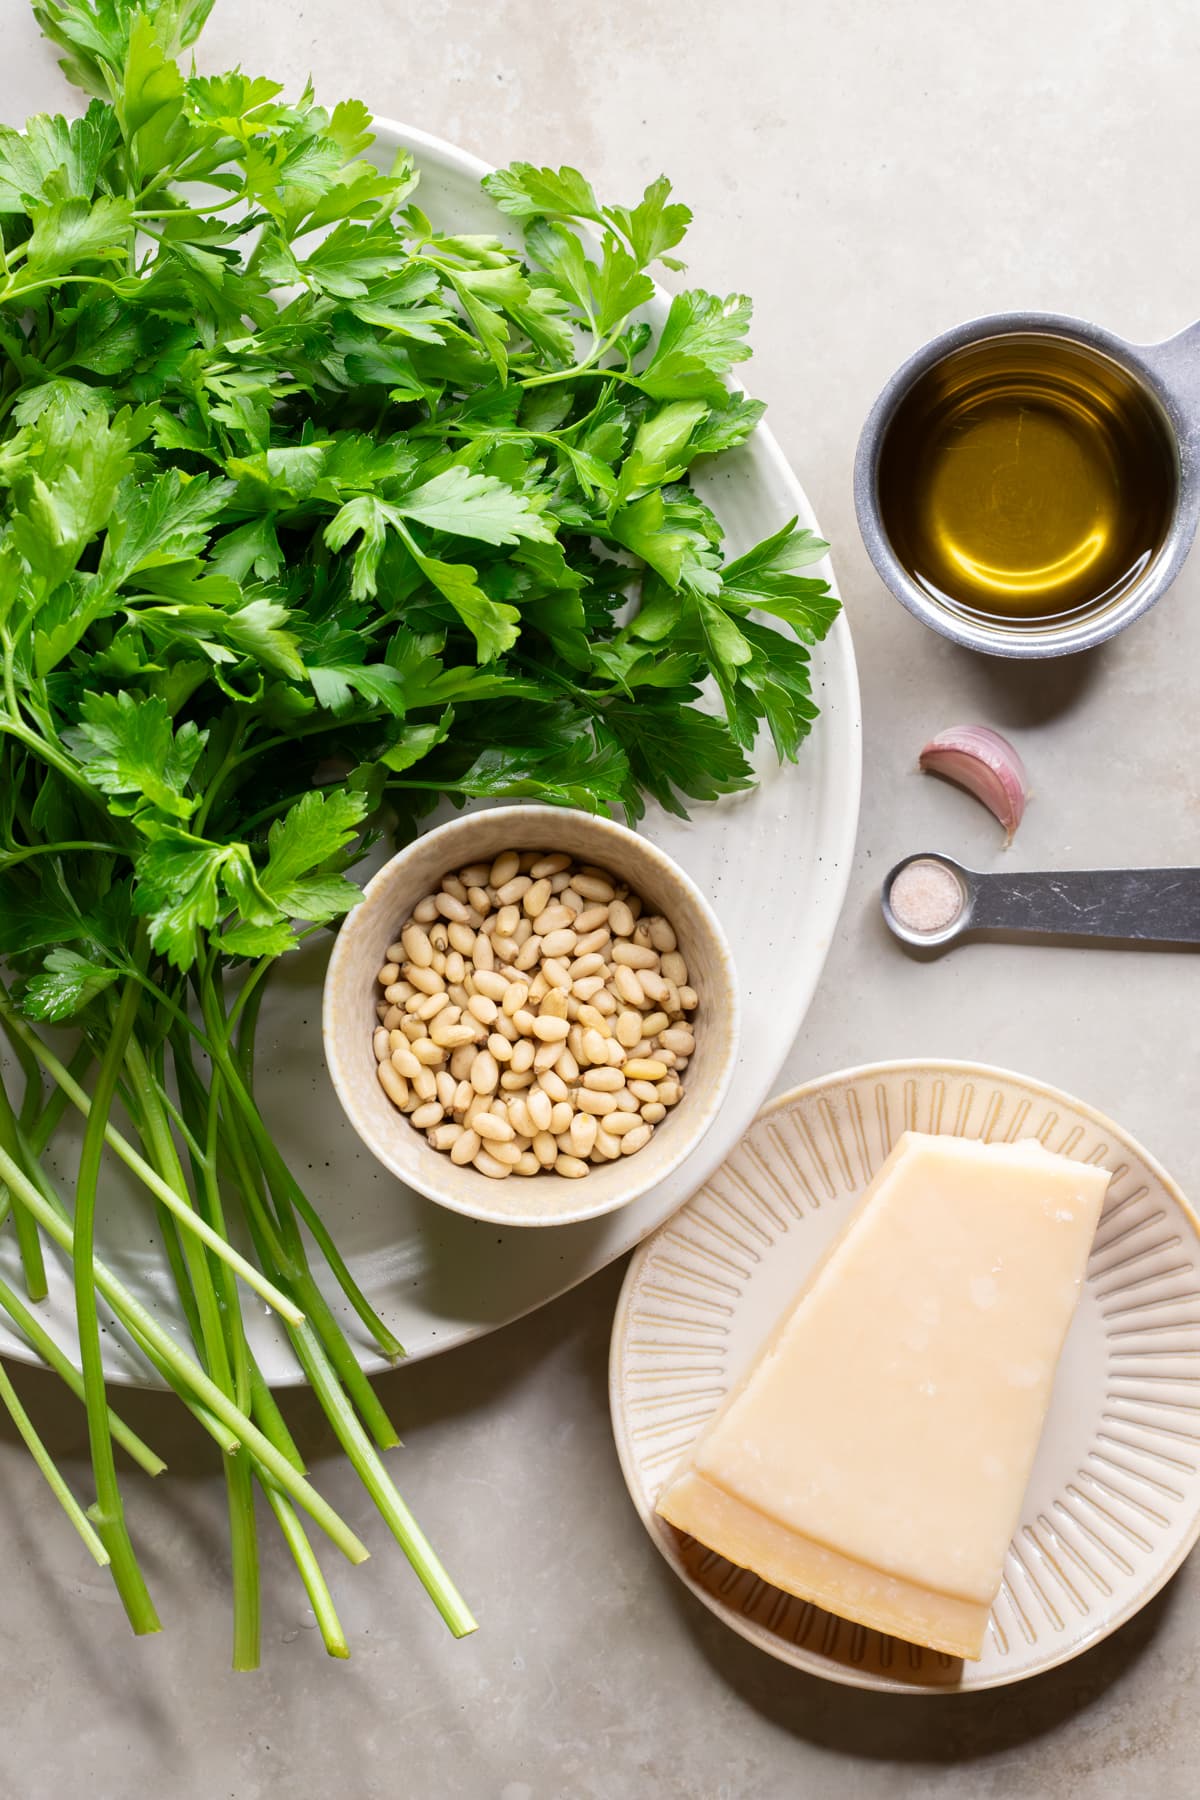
[(875, 1457)]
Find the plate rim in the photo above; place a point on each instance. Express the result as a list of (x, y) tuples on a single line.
[(841, 1674)]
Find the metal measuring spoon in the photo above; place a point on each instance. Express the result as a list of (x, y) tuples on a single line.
[(930, 901)]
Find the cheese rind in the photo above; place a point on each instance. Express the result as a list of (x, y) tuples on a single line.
[(875, 1457)]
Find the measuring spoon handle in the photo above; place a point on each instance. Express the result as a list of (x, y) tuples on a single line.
[(1152, 906)]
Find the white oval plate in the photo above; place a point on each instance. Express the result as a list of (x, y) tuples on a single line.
[(764, 858), (1113, 1505)]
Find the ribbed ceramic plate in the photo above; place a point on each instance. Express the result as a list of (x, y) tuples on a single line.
[(1113, 1505), (436, 1277)]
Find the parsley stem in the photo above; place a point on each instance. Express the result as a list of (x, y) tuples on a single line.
[(108, 1514), (56, 1358), (49, 1470), (181, 1209), (184, 1371)]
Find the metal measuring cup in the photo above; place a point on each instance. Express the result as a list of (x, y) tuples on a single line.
[(1168, 375)]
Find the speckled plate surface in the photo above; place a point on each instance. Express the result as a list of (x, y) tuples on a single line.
[(1113, 1505), (762, 859)]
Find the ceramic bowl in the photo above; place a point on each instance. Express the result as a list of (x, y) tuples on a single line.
[(351, 993)]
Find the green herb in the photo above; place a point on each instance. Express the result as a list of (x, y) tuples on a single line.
[(309, 511)]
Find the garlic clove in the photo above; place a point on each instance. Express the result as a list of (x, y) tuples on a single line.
[(986, 764)]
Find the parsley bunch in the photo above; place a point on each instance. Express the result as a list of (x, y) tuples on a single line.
[(310, 512)]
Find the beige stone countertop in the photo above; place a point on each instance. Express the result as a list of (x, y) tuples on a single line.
[(870, 172)]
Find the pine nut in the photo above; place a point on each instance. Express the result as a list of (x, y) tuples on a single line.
[(515, 996), (563, 942), (552, 1083), (592, 1102), (546, 1056), (644, 1090), (464, 1093), (590, 919), (679, 1039), (490, 1127), (466, 1148), (619, 1122), (430, 1114), (540, 1107), (628, 986), (481, 1008), (417, 949), (428, 981), (503, 869), (488, 1165), (644, 1069), (636, 1139), (620, 919), (653, 985), (561, 1114), (594, 887), (424, 1084), (582, 1133), (462, 939), (452, 908), (461, 1060), (593, 942), (485, 1076), (522, 1055), (500, 1047), (551, 1030), (572, 1167), (670, 1092), (527, 1164), (653, 1023), (478, 899), (605, 1081), (634, 956), (584, 987), (536, 899), (566, 1066), (452, 1036), (485, 956), (444, 1137), (604, 1003), (545, 1149), (688, 998), (454, 970), (591, 964), (514, 1083), (556, 973), (489, 984), (425, 911), (381, 1044), (521, 1117), (550, 865), (654, 1112), (392, 1083), (446, 1086), (629, 1029), (555, 918), (504, 1152), (674, 968), (511, 891)]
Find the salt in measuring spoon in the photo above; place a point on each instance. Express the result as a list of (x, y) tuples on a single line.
[(930, 902)]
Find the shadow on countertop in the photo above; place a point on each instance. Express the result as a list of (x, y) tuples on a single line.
[(937, 1729)]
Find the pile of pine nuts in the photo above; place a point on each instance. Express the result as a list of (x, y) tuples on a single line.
[(533, 1017)]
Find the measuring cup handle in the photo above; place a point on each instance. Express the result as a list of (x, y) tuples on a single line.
[(1176, 363)]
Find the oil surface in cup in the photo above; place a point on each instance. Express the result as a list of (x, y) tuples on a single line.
[(1026, 478)]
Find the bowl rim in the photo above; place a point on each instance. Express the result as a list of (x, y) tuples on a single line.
[(347, 1087)]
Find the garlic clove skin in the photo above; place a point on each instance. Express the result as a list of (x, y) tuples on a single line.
[(986, 764)]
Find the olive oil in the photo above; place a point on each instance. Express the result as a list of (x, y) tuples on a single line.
[(1026, 479)]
